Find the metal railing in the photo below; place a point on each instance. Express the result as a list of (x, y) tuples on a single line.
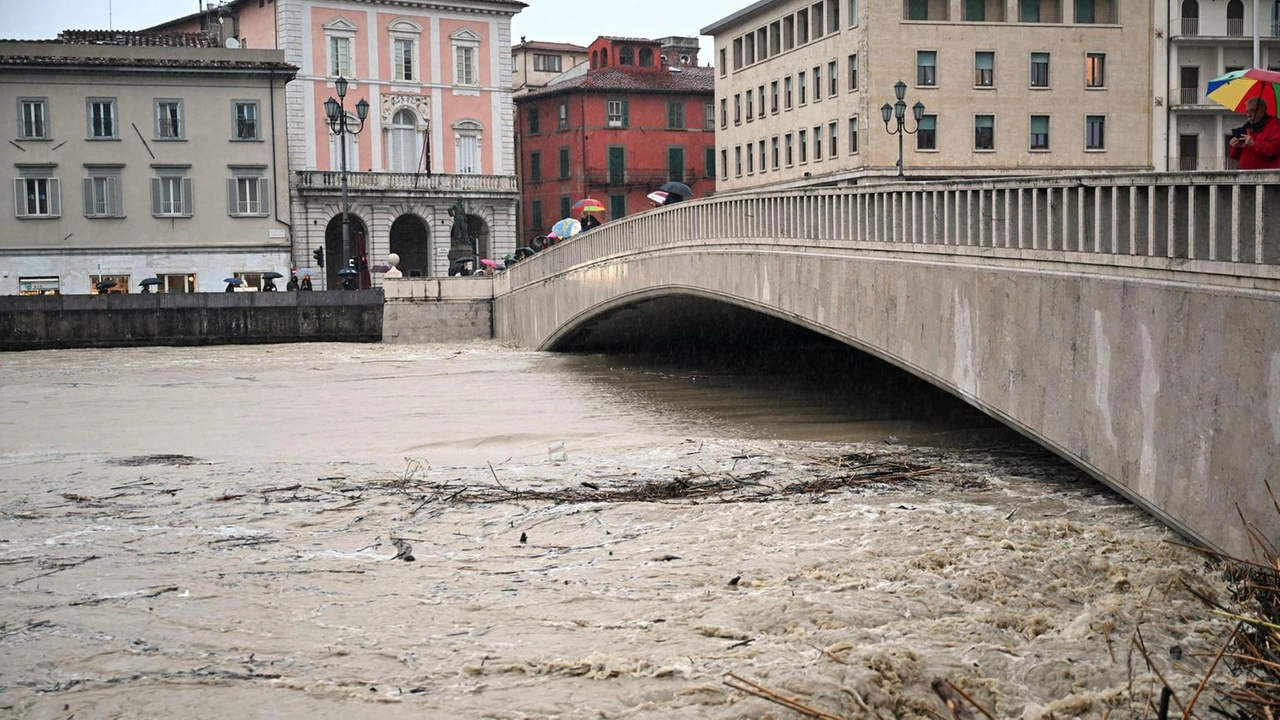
[(1097, 219), (1235, 27), (1201, 164), (1188, 96), (1190, 26), (405, 182)]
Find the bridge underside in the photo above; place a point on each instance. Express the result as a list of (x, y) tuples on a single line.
[(1121, 376)]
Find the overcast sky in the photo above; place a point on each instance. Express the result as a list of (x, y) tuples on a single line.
[(573, 21)]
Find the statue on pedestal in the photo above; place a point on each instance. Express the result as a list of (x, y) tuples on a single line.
[(460, 241)]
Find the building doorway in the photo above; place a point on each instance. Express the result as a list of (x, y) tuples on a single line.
[(333, 259), (1188, 152), (410, 239)]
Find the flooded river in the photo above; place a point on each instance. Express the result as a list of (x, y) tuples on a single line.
[(473, 531)]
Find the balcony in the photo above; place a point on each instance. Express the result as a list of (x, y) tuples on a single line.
[(329, 180), (1187, 96), (636, 176), (1193, 164), (1219, 27)]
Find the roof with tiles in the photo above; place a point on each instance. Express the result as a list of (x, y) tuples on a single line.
[(105, 49), (137, 39), (558, 47), (671, 81)]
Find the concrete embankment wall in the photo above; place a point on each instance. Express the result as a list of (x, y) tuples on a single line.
[(446, 309), (80, 321)]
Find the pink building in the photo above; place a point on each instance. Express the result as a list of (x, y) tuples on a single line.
[(437, 79)]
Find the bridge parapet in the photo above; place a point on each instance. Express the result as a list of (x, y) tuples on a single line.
[(1211, 222)]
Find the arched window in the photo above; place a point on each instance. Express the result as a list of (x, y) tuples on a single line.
[(626, 56), (1235, 18), (402, 146), (684, 59), (604, 57), (646, 57), (1190, 17), (595, 59)]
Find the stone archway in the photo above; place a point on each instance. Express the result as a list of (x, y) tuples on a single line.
[(411, 240), (479, 229), (333, 260)]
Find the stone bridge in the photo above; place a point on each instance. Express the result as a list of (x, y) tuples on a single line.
[(1130, 323)]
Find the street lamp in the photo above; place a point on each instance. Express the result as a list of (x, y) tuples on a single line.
[(898, 111), (336, 112)]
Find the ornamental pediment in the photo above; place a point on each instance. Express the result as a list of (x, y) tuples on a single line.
[(394, 102)]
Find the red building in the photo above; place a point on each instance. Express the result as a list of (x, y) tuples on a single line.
[(616, 132)]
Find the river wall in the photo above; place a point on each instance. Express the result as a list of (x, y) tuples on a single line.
[(118, 320)]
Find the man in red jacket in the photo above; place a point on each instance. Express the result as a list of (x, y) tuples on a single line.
[(1258, 147)]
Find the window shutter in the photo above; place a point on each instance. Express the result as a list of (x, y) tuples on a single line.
[(155, 197), (19, 197), (231, 197), (55, 197), (626, 121), (188, 200), (264, 202), (88, 196), (115, 203)]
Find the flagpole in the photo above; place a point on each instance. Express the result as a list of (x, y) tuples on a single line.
[(1257, 51)]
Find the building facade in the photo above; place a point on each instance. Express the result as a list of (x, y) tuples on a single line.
[(1024, 85), (616, 133), (1197, 41), (437, 78), (135, 157), (534, 63)]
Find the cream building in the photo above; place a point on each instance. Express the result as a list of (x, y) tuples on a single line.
[(1023, 85), (1196, 41), (534, 63), (135, 156)]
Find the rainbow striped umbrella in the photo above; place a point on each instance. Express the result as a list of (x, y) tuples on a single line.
[(1236, 88)]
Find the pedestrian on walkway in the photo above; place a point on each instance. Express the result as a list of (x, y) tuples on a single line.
[(1257, 146)]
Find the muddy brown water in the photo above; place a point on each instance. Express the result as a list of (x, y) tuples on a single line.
[(211, 533)]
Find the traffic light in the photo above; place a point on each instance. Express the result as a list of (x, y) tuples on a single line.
[(318, 254)]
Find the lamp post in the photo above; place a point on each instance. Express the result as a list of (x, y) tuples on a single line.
[(336, 112), (898, 111)]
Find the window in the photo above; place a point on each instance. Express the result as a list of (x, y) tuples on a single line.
[(751, 105), (466, 47), (617, 159), (763, 157), (804, 146), (708, 116), (244, 119), (171, 192), (724, 112), (773, 97), (534, 120), (36, 193), (546, 63), (709, 162), (984, 132), (33, 285), (724, 164), (833, 85), (817, 143), (403, 155), (853, 135), (788, 145), (737, 53), (917, 9), (832, 147), (566, 206), (646, 57), (1039, 132), (626, 56), (402, 55), (776, 153), (802, 25), (1029, 11), (803, 86), (751, 159), (975, 10), (535, 211), (1039, 69), (853, 72), (786, 93), (927, 133), (926, 68), (564, 163), (466, 142), (102, 118), (339, 56), (788, 32), (984, 69), (177, 283), (33, 118), (737, 161), (833, 15), (1095, 127), (535, 166), (562, 116), (615, 113), (775, 37), (1095, 70), (675, 115), (817, 83), (737, 109), (102, 198), (121, 286), (760, 94), (247, 192), (853, 13), (169, 119), (819, 22), (1085, 12), (724, 65)]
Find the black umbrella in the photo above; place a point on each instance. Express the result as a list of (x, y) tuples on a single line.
[(345, 271), (524, 252), (676, 188), (105, 285), (150, 281), (271, 275), (233, 281)]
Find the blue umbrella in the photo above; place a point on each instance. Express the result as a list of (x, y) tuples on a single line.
[(566, 228), (233, 281)]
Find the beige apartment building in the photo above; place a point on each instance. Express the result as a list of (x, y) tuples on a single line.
[(534, 63), (1024, 85), (135, 156)]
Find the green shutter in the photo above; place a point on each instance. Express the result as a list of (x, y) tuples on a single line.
[(626, 118)]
